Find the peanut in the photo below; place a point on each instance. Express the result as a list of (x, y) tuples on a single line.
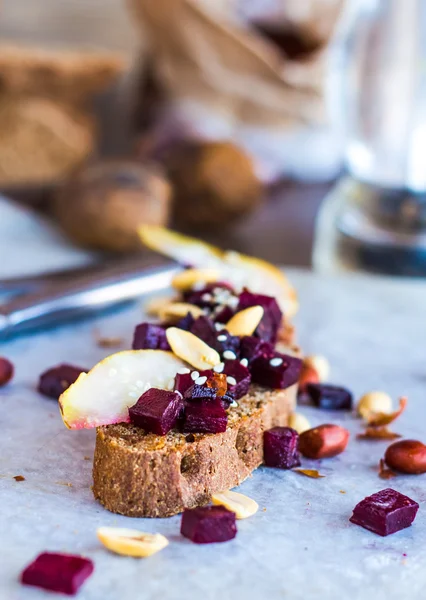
[(374, 402), (298, 422), (6, 371), (130, 542), (320, 364), (407, 456), (307, 375), (245, 321), (241, 505), (187, 279), (190, 348), (324, 441), (177, 310), (154, 305)]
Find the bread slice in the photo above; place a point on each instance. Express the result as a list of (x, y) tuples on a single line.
[(140, 474)]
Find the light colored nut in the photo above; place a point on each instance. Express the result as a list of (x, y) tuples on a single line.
[(130, 542), (153, 306), (407, 456), (187, 279), (298, 422), (320, 364), (190, 348), (324, 441), (241, 505), (177, 310), (245, 321), (374, 403), (307, 375)]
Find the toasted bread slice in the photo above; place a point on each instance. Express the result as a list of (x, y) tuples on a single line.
[(140, 474)]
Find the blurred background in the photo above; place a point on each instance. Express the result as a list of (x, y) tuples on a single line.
[(249, 123)]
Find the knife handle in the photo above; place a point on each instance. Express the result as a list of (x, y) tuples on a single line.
[(84, 294)]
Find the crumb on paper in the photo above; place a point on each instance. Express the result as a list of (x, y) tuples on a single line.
[(264, 509), (86, 457), (384, 471), (107, 341), (378, 433), (65, 483), (342, 492), (313, 473), (19, 478)]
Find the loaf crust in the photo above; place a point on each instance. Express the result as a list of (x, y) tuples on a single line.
[(140, 474)]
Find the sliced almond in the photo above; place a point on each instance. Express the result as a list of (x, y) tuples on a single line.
[(177, 310), (188, 278), (190, 348), (245, 321), (155, 305), (130, 542), (241, 505)]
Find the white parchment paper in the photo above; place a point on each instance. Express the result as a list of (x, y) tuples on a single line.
[(300, 545)]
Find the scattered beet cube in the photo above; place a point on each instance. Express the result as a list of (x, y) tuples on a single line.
[(63, 573), (238, 378), (385, 512), (252, 347), (55, 381), (271, 321), (208, 524), (279, 371), (150, 337), (280, 448), (205, 417), (157, 411), (329, 396), (6, 371)]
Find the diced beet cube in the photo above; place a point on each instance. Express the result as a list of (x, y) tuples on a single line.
[(385, 512), (55, 381), (186, 323), (205, 417), (183, 381), (329, 396), (279, 371), (208, 524), (221, 341), (280, 448), (223, 314), (251, 347), (150, 337), (157, 411), (235, 370), (272, 317), (63, 573), (211, 296)]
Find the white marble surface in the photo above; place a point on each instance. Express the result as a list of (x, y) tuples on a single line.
[(302, 546)]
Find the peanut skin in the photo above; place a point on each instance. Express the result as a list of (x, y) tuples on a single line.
[(324, 441), (407, 456)]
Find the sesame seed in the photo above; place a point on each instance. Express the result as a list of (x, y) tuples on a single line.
[(206, 297), (221, 338), (184, 371), (229, 355), (219, 368), (233, 404), (201, 380), (219, 326), (244, 362), (198, 286), (233, 302), (276, 362), (195, 375), (231, 380)]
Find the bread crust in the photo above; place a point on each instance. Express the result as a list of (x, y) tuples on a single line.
[(140, 474)]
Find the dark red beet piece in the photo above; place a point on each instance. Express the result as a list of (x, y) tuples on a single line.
[(55, 381), (157, 411), (221, 341), (205, 417), (280, 448), (385, 512), (209, 296), (6, 371), (208, 524), (251, 347), (279, 371), (186, 323), (150, 337), (272, 317), (63, 573), (241, 374), (183, 381), (329, 396)]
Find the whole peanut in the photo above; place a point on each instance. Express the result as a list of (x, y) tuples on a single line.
[(324, 441), (407, 456), (6, 371)]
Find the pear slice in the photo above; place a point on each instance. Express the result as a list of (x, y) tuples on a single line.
[(239, 270), (103, 395)]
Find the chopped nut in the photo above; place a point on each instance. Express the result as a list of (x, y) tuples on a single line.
[(177, 310), (298, 422), (130, 542), (192, 349), (309, 473), (19, 478), (320, 364), (241, 505), (373, 403), (245, 321), (187, 279)]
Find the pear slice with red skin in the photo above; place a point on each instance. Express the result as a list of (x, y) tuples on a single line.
[(104, 394), (239, 270)]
